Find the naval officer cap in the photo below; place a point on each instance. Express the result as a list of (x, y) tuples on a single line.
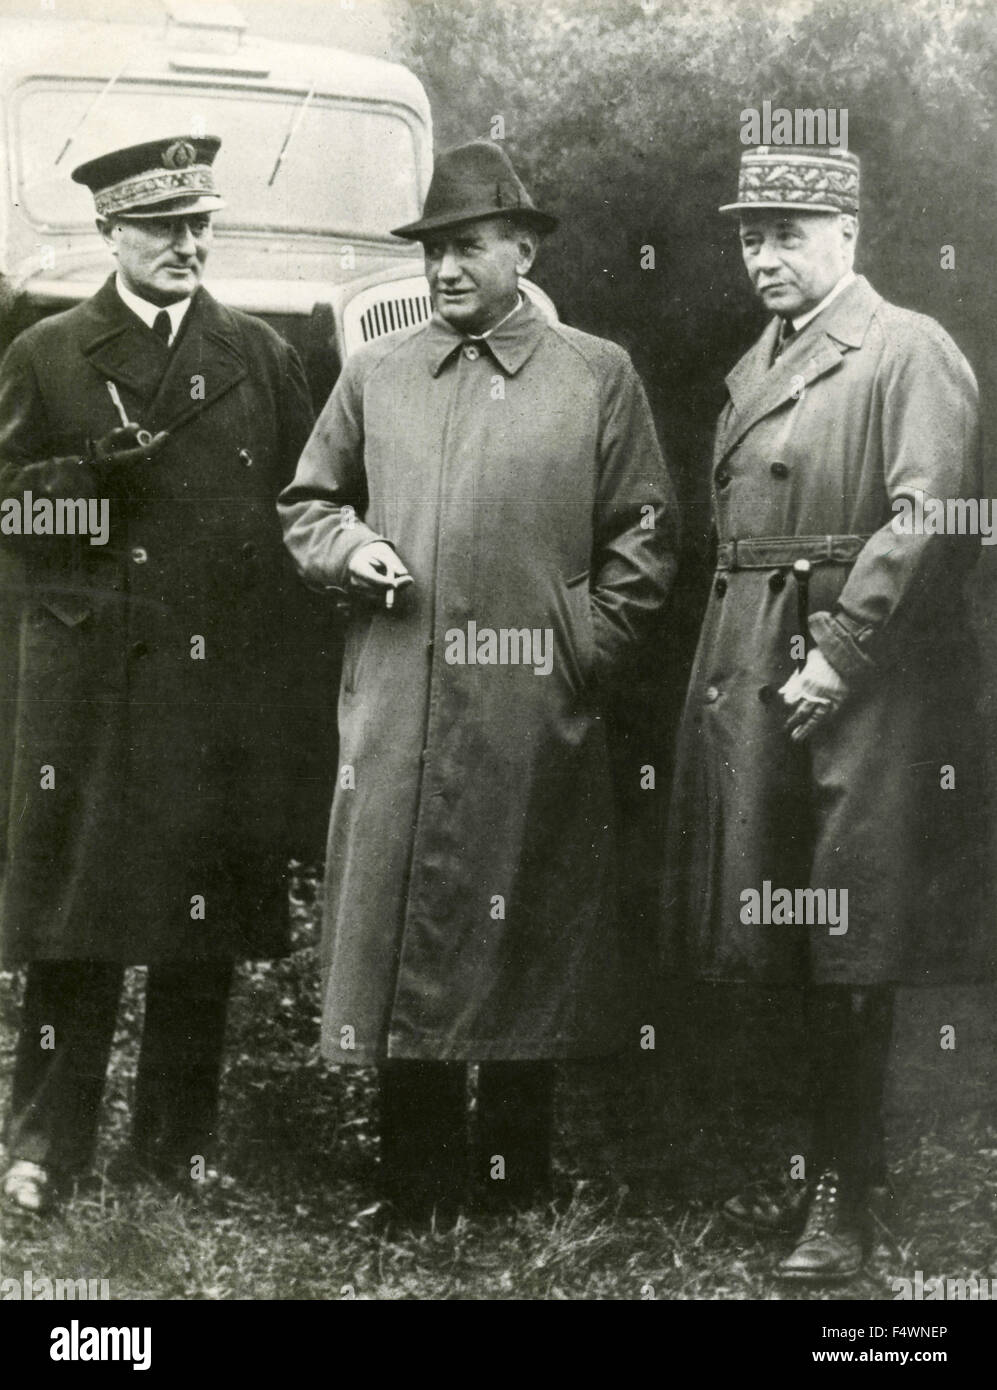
[(160, 178), (797, 178)]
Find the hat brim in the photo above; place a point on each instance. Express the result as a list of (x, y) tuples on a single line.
[(785, 207), (414, 231), (172, 207)]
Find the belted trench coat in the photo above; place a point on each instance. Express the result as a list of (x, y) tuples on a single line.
[(867, 405)]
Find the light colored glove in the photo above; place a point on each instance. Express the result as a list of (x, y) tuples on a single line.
[(815, 693)]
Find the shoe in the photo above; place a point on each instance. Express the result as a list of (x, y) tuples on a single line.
[(29, 1186), (768, 1206), (830, 1246)]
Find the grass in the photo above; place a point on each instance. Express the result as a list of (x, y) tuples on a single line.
[(647, 1148)]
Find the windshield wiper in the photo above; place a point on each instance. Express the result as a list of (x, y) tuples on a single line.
[(89, 112), (292, 132)]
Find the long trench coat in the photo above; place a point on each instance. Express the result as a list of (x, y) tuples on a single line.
[(469, 893), (161, 833), (870, 403)]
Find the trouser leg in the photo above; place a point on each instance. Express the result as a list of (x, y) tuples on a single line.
[(849, 1033), (179, 1070), (514, 1131), (423, 1135), (59, 1073)]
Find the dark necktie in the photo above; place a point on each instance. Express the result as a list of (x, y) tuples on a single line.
[(162, 327), (786, 335)]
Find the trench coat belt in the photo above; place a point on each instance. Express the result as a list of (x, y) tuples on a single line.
[(769, 552)]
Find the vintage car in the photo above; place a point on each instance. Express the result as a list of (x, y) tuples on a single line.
[(323, 151)]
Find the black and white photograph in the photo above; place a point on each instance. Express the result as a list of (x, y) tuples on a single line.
[(498, 553)]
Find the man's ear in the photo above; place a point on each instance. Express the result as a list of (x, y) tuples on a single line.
[(527, 246), (106, 228)]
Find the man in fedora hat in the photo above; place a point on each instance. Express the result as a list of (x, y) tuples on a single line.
[(813, 815), (490, 489), (143, 792)]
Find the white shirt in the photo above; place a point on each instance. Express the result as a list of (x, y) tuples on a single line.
[(480, 337), (842, 284), (147, 312)]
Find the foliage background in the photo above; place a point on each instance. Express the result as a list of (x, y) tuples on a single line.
[(624, 117)]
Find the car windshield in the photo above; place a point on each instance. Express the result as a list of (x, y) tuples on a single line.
[(348, 169)]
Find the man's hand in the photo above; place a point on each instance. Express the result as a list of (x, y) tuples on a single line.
[(376, 569), (121, 445), (816, 693)]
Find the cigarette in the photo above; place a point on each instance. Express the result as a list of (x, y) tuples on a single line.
[(389, 599), (143, 438)]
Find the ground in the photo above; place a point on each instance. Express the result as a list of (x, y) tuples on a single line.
[(648, 1149)]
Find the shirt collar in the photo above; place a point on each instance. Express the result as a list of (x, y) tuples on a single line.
[(802, 320), (147, 312), (511, 342), (480, 337)]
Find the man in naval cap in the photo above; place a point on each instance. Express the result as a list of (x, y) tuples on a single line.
[(143, 784)]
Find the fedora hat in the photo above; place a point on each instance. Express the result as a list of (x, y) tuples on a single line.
[(160, 178), (473, 181), (799, 178)]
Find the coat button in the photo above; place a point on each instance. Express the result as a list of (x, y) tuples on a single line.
[(779, 470), (472, 353), (720, 587), (248, 550), (245, 458), (139, 554), (723, 480), (712, 694), (777, 582), (139, 649), (766, 693)]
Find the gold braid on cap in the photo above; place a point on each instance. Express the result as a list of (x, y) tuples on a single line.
[(806, 182), (155, 186)]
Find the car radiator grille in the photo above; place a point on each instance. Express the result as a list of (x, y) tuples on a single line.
[(391, 315)]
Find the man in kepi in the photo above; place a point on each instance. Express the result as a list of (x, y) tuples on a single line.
[(827, 739), (143, 815), (496, 478)]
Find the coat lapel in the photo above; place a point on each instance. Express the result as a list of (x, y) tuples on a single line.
[(756, 389), (209, 348), (121, 349)]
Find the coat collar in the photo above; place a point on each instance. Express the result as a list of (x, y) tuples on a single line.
[(511, 344), (757, 386), (123, 350)]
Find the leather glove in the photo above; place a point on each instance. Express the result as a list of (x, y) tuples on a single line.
[(119, 446)]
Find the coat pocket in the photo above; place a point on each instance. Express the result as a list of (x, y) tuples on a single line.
[(357, 638), (582, 633), (70, 610)]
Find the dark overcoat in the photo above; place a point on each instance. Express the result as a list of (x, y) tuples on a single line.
[(469, 904), (869, 404), (147, 692)]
